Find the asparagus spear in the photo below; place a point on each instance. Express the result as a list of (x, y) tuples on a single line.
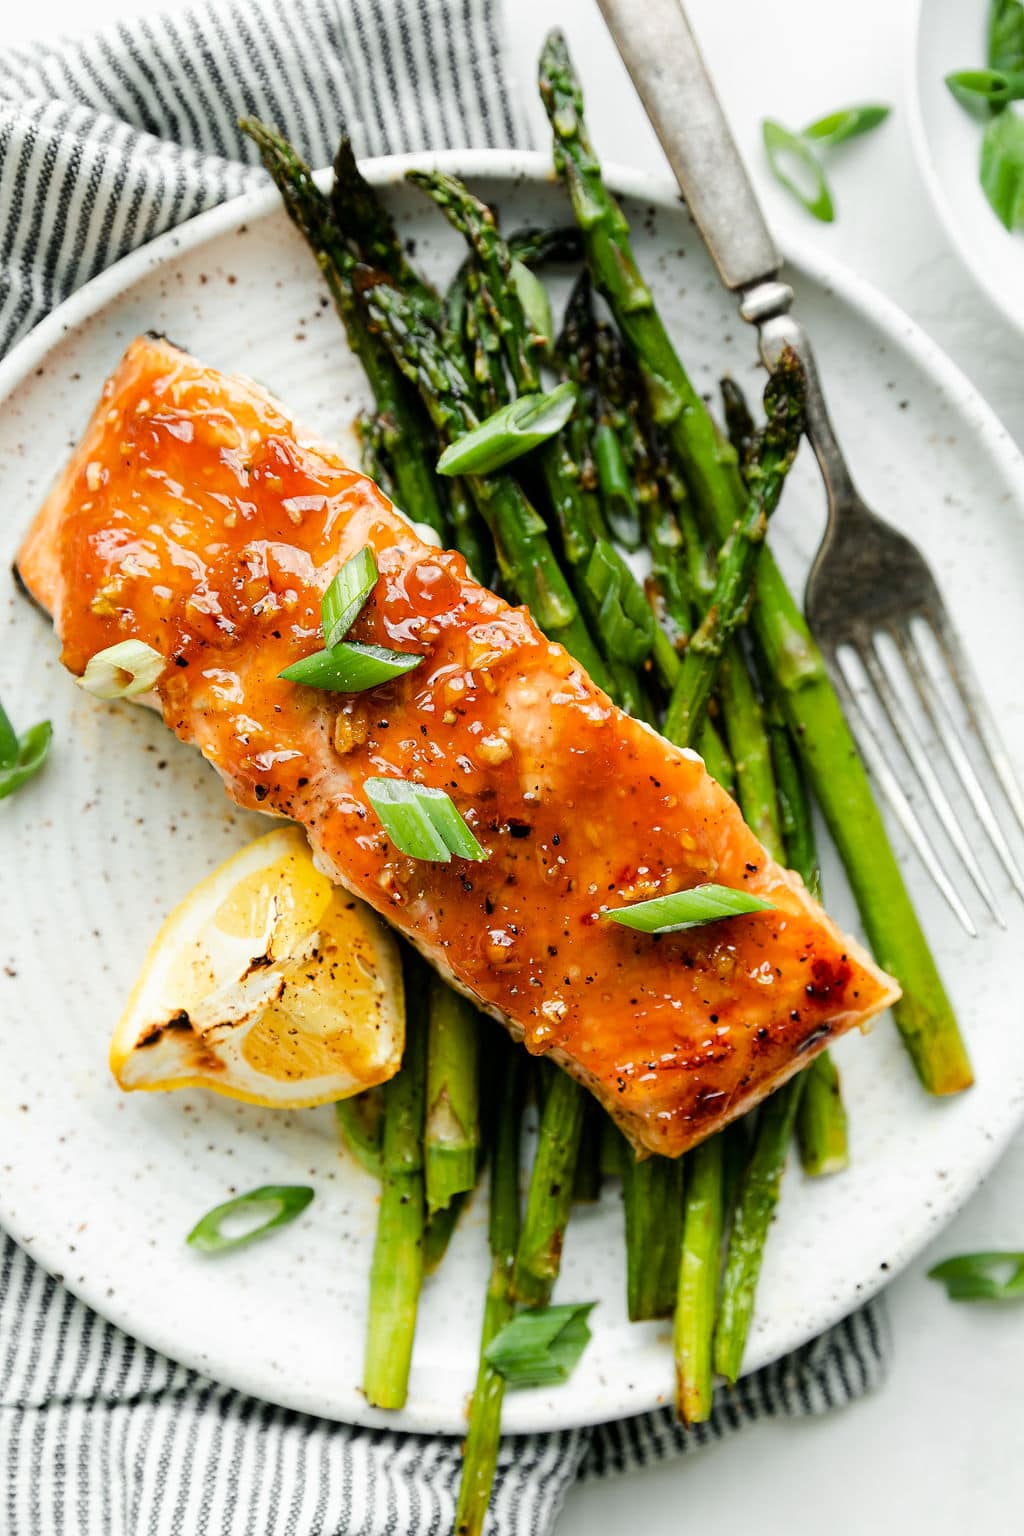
[(397, 1269), (481, 1449), (767, 468), (549, 1197), (369, 230), (699, 1269), (750, 750), (924, 1016), (821, 1117), (739, 423), (361, 1124), (586, 1184), (451, 1136), (402, 421), (755, 1207), (653, 1198), (438, 1233)]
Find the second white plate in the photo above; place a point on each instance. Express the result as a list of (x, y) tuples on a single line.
[(947, 35)]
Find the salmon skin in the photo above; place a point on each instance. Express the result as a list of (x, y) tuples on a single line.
[(193, 516)]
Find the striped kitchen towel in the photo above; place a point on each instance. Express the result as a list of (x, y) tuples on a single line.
[(104, 144)]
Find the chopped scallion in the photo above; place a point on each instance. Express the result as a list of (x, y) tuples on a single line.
[(533, 297), (277, 1204), (350, 668), (982, 1276), (688, 909), (795, 166), (509, 433), (122, 671), (422, 822), (21, 757), (345, 597), (541, 1347)]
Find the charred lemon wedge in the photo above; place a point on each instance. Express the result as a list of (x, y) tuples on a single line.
[(267, 983)]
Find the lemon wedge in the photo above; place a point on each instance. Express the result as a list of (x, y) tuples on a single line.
[(267, 983)]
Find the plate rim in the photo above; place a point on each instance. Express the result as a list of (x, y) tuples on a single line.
[(952, 227), (899, 329)]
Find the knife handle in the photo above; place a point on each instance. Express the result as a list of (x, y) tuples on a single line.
[(661, 54)]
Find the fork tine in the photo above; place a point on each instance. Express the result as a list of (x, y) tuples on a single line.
[(877, 762), (978, 712), (949, 734), (909, 739)]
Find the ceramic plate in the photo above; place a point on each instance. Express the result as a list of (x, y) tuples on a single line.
[(947, 35), (102, 1187)]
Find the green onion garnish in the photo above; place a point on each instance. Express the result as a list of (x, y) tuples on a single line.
[(795, 166), (21, 757), (688, 909), (350, 668), (509, 433), (533, 297), (346, 595), (1006, 35), (542, 1347), (276, 1204), (793, 160), (422, 822), (122, 671), (848, 123), (1002, 168), (344, 666), (985, 91), (982, 1276)]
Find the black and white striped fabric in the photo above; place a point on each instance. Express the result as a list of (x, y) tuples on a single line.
[(104, 144)]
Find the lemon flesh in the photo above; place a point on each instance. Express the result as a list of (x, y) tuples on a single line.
[(267, 983)]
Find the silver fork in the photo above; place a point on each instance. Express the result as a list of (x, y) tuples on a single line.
[(868, 583)]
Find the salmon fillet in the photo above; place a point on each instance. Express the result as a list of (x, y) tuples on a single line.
[(193, 516)]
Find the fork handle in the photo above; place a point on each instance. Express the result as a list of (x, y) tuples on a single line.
[(671, 78)]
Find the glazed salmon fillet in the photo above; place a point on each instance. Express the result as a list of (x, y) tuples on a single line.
[(193, 516)]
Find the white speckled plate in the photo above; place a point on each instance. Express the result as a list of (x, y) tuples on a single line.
[(946, 35), (103, 1187)]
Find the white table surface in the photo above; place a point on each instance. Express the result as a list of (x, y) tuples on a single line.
[(939, 1448)]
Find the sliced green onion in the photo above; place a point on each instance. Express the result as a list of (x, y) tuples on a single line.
[(982, 1276), (350, 668), (122, 671), (795, 167), (542, 1347), (847, 123), (984, 91), (31, 749), (688, 909), (276, 1204), (1002, 168), (533, 297), (510, 432), (8, 741), (422, 822), (1006, 35), (624, 619), (346, 595), (617, 493)]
